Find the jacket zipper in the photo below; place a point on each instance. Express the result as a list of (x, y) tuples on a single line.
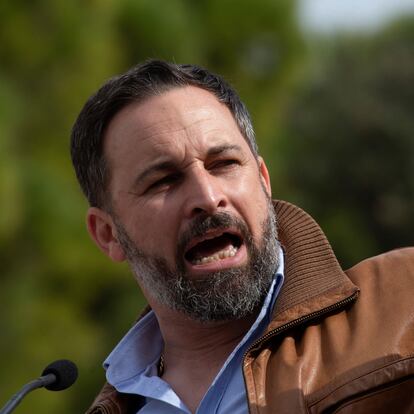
[(297, 322)]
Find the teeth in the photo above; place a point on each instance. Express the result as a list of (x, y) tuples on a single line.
[(223, 254)]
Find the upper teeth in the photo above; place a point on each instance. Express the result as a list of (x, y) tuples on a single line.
[(227, 252)]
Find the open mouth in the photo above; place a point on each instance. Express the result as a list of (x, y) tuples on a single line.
[(213, 247)]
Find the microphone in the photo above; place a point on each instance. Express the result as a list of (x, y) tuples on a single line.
[(57, 376)]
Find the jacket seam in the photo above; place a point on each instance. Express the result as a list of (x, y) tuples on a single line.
[(369, 394), (411, 356)]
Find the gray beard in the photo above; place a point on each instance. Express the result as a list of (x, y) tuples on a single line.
[(227, 294)]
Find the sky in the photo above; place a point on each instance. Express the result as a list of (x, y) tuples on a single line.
[(339, 15)]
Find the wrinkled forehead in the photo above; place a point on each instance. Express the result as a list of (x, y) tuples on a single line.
[(186, 114)]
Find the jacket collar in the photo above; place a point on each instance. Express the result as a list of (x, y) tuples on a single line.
[(314, 281)]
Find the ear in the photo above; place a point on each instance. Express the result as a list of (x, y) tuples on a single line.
[(264, 175), (103, 232)]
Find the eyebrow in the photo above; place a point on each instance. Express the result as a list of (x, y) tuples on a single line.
[(170, 165), (219, 149)]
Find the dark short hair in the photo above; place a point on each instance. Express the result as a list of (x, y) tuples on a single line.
[(139, 83)]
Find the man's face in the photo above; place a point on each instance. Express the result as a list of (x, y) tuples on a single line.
[(190, 203)]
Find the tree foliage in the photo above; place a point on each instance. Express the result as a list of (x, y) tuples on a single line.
[(349, 143)]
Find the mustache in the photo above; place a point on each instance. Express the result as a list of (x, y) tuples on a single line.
[(202, 224)]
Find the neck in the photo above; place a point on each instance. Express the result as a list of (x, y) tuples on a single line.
[(189, 339), (195, 351)]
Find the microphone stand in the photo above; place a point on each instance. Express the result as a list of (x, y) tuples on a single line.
[(40, 382)]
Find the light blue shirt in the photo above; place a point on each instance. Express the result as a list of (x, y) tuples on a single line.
[(132, 366)]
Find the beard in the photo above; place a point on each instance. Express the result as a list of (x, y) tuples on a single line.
[(226, 294)]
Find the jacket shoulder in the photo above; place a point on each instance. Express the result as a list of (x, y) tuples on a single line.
[(385, 303), (393, 266)]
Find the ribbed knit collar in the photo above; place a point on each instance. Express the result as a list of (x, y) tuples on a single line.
[(314, 279)]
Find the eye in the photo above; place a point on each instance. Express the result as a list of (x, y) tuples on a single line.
[(224, 163), (164, 182)]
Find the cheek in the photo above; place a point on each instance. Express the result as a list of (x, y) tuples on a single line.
[(252, 202), (153, 231), (251, 186)]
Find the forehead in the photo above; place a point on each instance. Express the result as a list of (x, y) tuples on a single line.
[(173, 119)]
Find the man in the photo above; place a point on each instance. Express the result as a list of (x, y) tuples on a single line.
[(243, 317)]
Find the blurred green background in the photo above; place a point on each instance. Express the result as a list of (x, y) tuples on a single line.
[(332, 102)]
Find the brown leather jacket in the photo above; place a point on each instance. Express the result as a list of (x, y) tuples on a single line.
[(339, 342)]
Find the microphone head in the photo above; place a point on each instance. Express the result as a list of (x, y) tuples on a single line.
[(66, 374)]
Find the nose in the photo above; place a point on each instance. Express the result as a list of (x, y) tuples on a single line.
[(204, 194)]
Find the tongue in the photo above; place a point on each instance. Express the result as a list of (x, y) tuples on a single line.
[(210, 247)]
